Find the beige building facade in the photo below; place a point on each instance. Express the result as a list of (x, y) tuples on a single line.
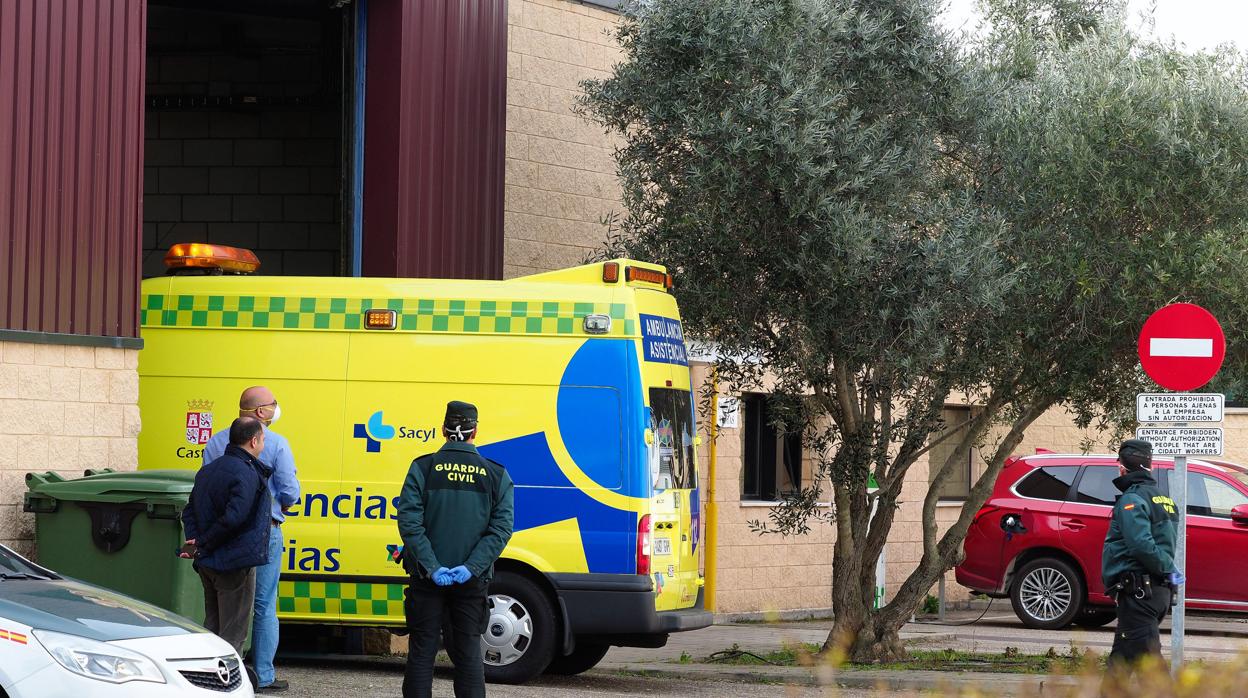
[(560, 177), (64, 409)]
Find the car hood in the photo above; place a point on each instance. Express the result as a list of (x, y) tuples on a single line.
[(75, 608)]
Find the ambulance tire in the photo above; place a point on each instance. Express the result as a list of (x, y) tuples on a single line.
[(519, 608), (585, 657)]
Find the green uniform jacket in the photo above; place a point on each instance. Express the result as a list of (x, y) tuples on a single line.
[(456, 508), (1141, 530)]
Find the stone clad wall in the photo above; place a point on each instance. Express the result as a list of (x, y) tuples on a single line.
[(560, 178), (65, 409)]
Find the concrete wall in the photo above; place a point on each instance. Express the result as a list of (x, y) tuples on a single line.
[(560, 178), (63, 409)]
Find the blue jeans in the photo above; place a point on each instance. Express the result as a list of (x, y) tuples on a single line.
[(264, 621)]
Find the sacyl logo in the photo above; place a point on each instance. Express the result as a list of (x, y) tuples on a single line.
[(374, 432)]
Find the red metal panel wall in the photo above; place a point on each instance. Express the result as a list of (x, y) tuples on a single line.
[(435, 125), (71, 158)]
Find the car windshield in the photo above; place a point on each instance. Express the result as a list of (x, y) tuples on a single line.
[(14, 566)]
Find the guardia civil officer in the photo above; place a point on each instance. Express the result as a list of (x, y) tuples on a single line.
[(455, 518), (1137, 564)]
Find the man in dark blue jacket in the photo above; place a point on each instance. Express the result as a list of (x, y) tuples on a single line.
[(227, 530)]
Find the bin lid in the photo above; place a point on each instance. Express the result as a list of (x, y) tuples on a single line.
[(115, 486)]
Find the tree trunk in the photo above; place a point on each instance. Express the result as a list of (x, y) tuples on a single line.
[(877, 642), (863, 637)]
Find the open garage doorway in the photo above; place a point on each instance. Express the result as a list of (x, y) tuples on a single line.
[(248, 123)]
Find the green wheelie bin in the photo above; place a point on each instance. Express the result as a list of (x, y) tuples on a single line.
[(119, 530)]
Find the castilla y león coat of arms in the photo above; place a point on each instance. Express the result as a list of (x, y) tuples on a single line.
[(198, 421)]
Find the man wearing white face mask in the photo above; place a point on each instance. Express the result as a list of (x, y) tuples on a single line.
[(260, 403)]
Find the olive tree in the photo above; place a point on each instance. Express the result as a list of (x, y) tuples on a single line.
[(870, 218)]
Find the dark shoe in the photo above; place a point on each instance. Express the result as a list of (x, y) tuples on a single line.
[(251, 675), (277, 685)]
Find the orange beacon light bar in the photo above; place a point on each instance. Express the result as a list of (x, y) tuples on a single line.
[(199, 255)]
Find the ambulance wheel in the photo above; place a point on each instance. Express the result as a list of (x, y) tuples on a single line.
[(585, 657), (519, 638)]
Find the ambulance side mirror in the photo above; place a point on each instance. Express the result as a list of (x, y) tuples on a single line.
[(649, 435), (1239, 515)]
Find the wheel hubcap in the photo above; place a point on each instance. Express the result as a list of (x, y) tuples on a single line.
[(1045, 593), (508, 633)]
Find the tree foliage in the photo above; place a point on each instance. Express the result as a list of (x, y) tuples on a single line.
[(871, 218)]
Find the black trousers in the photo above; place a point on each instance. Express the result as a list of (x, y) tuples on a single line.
[(468, 612), (1138, 634), (228, 598)]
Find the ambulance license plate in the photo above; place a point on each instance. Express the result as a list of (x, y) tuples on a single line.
[(662, 546)]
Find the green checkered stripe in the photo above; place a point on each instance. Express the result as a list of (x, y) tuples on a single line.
[(435, 315), (340, 598)]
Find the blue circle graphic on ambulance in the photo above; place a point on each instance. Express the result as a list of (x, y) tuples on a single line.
[(596, 415)]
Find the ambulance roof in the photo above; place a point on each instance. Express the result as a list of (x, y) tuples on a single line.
[(548, 303)]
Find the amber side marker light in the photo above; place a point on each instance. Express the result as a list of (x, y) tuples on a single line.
[(209, 258), (649, 276), (611, 272), (380, 319)]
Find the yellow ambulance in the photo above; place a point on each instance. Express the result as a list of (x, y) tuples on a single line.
[(582, 382)]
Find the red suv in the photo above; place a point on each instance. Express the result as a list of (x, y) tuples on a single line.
[(1051, 570)]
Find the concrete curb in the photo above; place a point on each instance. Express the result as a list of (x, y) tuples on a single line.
[(863, 678)]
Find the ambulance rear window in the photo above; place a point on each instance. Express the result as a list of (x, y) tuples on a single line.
[(671, 420)]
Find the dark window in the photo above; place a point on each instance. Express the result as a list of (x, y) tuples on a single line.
[(1219, 497), (1097, 485), (1206, 495), (1051, 482), (958, 485), (772, 459), (671, 421)]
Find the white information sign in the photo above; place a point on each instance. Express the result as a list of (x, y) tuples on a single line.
[(1183, 441), (729, 413), (1185, 408)]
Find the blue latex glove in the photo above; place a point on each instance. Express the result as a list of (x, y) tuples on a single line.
[(442, 577), (1176, 578), (460, 574)]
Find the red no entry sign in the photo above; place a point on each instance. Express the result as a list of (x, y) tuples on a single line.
[(1182, 346)]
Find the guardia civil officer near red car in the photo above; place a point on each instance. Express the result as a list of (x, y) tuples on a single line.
[(1066, 535), (1137, 564)]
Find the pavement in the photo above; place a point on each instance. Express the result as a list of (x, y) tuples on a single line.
[(984, 629), (680, 670)]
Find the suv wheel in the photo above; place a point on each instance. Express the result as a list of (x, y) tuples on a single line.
[(1047, 594), (1096, 618)]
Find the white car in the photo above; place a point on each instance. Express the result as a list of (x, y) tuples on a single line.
[(60, 637)]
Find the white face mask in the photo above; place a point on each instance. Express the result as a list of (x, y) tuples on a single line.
[(277, 413)]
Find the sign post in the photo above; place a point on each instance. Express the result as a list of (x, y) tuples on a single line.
[(1178, 625), (1181, 348)]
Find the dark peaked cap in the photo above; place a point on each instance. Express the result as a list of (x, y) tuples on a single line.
[(462, 413)]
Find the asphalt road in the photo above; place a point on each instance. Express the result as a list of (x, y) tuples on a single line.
[(385, 678)]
